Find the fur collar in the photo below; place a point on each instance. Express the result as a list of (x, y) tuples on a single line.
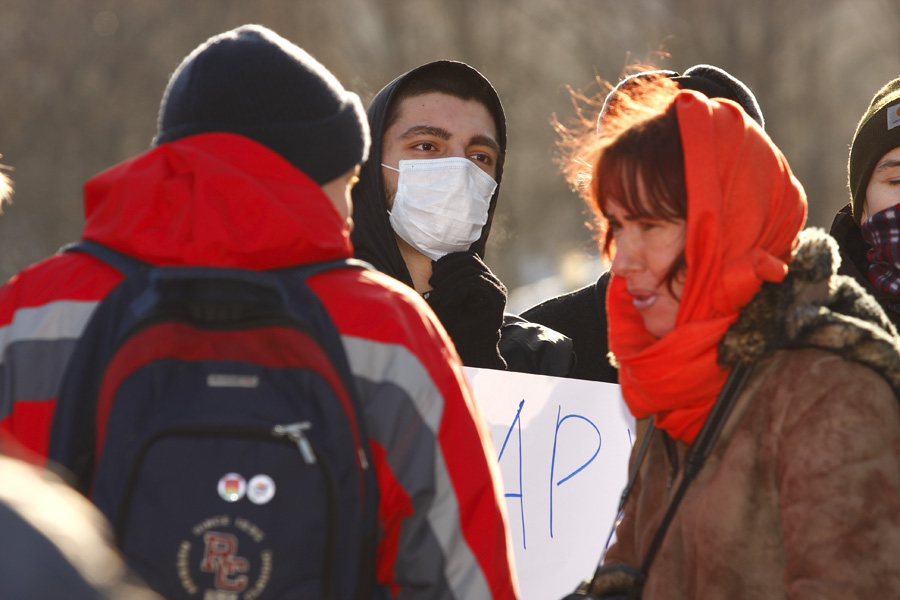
[(815, 308)]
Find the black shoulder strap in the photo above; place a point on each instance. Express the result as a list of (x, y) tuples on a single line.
[(694, 461), (699, 452), (121, 262)]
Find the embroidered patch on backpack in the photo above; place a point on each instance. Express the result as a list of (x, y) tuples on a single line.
[(230, 559)]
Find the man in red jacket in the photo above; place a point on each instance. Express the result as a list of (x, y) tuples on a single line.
[(257, 150)]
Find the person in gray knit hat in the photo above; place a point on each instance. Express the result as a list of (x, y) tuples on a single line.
[(252, 167), (581, 314), (868, 227)]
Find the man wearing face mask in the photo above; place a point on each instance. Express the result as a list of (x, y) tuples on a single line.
[(423, 207)]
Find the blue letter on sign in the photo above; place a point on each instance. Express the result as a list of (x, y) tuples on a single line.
[(518, 425), (559, 423)]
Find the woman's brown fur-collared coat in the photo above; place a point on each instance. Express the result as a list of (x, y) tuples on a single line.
[(800, 497)]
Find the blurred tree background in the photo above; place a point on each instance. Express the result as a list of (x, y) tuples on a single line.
[(82, 81)]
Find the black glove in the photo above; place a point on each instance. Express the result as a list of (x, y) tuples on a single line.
[(469, 301)]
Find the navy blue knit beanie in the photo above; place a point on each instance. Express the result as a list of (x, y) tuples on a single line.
[(711, 81), (252, 82)]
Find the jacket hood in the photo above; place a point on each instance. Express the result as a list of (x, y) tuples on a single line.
[(815, 308), (373, 237), (744, 211), (214, 199)]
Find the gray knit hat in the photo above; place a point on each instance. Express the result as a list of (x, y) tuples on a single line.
[(877, 133), (252, 82)]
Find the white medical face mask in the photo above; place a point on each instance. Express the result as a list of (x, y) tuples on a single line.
[(441, 204)]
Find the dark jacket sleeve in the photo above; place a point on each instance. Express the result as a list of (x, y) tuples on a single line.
[(581, 316), (57, 545)]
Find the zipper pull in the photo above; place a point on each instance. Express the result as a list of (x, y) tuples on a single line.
[(363, 461), (294, 432)]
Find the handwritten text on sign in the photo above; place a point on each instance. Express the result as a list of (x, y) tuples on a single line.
[(562, 447)]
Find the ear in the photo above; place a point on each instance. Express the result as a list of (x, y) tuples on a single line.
[(338, 191)]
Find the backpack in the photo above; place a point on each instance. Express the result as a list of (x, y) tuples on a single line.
[(210, 414)]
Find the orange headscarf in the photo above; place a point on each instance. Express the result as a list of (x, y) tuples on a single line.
[(745, 209)]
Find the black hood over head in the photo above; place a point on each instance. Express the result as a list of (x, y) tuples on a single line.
[(372, 235)]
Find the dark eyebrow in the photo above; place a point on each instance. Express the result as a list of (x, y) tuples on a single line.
[(485, 140), (888, 164), (438, 132)]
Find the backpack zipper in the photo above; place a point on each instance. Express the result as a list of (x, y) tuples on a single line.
[(148, 321), (294, 432)]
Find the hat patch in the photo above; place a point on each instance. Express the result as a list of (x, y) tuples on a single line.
[(893, 116)]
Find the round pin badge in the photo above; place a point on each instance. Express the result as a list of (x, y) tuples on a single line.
[(232, 487), (261, 489)]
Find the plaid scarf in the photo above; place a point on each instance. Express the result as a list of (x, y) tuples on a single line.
[(882, 232)]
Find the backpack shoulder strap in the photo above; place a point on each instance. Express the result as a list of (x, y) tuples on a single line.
[(304, 300), (128, 264), (306, 271), (121, 262)]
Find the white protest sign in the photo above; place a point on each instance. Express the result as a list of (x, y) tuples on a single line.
[(563, 447)]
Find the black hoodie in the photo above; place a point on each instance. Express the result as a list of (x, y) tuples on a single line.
[(525, 347)]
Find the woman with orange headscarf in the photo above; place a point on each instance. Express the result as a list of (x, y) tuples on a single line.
[(771, 464)]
